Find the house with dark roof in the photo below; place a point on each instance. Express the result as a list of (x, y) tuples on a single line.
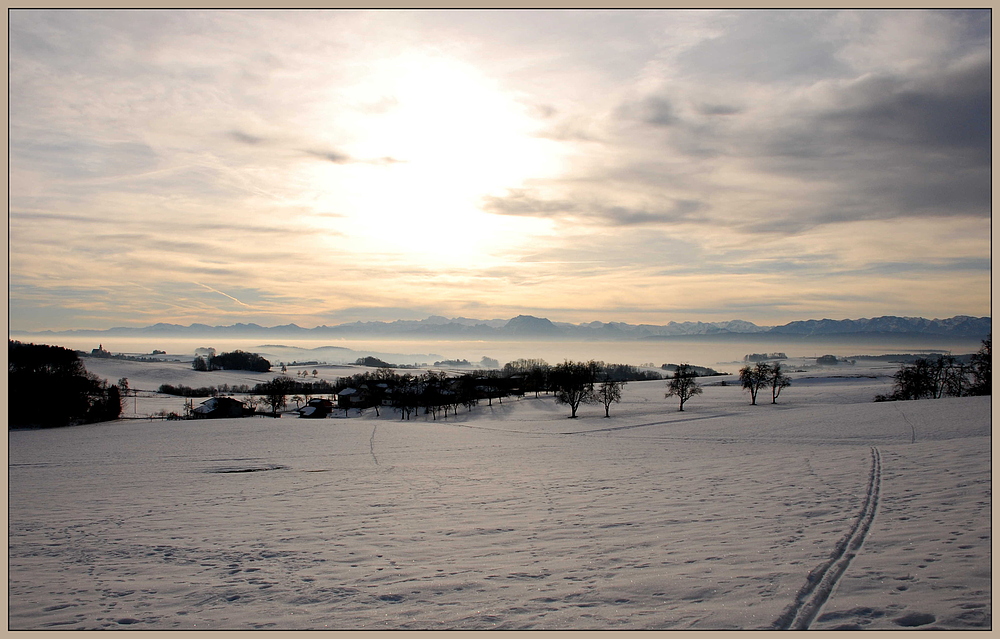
[(349, 397), (316, 408), (218, 407)]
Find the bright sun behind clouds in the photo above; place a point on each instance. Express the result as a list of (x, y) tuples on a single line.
[(435, 137)]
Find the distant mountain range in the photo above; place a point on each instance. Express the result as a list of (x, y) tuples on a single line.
[(527, 327)]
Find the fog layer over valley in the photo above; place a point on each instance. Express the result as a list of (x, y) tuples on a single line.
[(825, 510)]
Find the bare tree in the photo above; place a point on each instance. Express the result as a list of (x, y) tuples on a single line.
[(778, 381), (491, 386), (276, 391), (683, 384), (754, 378), (123, 392), (253, 402), (609, 392), (573, 383), (406, 396)]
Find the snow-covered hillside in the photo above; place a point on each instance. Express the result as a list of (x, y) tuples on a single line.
[(826, 510)]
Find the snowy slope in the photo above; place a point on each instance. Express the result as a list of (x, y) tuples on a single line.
[(516, 517)]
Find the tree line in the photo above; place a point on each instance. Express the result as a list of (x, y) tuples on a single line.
[(51, 387), (943, 375), (297, 386), (235, 361), (572, 383)]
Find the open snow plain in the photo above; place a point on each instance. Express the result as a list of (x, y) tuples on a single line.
[(825, 511)]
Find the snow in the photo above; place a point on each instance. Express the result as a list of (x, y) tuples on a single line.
[(511, 517)]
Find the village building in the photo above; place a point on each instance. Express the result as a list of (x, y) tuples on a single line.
[(316, 408), (349, 397), (218, 407)]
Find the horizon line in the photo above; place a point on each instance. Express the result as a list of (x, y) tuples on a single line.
[(451, 320)]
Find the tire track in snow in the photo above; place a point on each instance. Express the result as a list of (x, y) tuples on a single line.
[(371, 444), (823, 579)]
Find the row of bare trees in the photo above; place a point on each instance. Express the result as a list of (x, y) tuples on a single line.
[(575, 383)]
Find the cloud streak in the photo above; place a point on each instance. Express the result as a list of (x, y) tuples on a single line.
[(205, 286)]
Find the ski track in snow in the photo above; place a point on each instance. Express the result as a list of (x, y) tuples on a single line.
[(822, 580)]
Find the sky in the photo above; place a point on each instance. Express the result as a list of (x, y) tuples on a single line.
[(322, 167)]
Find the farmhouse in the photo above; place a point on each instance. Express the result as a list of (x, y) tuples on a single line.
[(217, 407), (316, 408), (349, 397)]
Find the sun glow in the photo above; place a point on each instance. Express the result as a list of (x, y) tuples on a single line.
[(433, 138)]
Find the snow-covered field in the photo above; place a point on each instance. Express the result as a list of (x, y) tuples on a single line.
[(826, 511)]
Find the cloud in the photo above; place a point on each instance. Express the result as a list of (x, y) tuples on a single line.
[(948, 110), (719, 109), (776, 124), (520, 202), (81, 158), (889, 147), (655, 110), (330, 156), (247, 138), (765, 46)]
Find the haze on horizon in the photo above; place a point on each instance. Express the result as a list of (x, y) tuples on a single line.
[(322, 167)]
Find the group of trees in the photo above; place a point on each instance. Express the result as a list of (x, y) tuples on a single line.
[(761, 357), (576, 383), (572, 383), (764, 375), (300, 386), (943, 375), (684, 384), (53, 388), (371, 361), (235, 361)]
